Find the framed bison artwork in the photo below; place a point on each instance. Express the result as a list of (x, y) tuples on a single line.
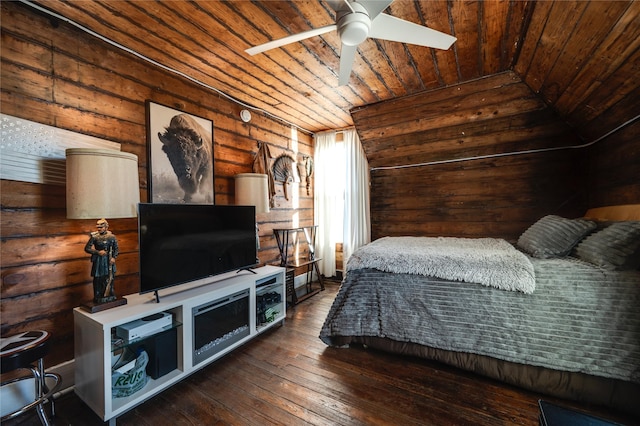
[(180, 156)]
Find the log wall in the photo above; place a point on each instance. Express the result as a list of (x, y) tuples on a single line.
[(439, 165), (614, 168), (56, 75)]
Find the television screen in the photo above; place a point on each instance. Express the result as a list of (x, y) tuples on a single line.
[(180, 243)]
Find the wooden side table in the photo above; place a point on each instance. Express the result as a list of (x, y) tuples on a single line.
[(291, 238)]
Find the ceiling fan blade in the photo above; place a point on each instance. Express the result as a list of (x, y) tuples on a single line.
[(387, 27), (290, 39), (375, 7), (347, 55)]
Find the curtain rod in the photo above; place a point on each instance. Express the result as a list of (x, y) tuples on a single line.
[(337, 131), (158, 64), (345, 129), (504, 154)]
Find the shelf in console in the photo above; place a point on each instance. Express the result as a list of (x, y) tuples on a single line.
[(130, 349), (121, 405), (271, 317), (270, 302), (118, 343)]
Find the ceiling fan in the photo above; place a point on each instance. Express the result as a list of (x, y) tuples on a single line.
[(358, 19)]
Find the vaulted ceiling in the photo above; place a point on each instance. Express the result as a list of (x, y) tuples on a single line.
[(581, 57)]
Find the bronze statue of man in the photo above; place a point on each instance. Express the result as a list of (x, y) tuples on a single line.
[(103, 248)]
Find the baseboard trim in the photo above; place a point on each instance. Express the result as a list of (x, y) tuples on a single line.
[(301, 280), (66, 370)]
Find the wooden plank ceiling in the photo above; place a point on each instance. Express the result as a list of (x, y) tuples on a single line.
[(581, 57)]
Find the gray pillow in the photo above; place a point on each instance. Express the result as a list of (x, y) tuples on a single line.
[(615, 247), (554, 236)]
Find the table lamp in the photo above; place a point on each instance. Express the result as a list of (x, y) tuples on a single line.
[(252, 190), (102, 183)]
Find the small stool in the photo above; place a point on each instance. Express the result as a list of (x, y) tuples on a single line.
[(22, 351)]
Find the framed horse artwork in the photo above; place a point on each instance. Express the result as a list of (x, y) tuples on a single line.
[(180, 156)]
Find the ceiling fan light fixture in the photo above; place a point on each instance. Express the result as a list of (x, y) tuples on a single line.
[(353, 28)]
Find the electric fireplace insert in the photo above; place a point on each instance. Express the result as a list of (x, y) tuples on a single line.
[(219, 324)]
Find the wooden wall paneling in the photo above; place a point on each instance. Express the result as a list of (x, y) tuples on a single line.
[(424, 147), (17, 195), (508, 118), (244, 18), (614, 168), (619, 116), (465, 131), (22, 280), (385, 119), (519, 18), (405, 75), (493, 31), (58, 115), (579, 48), (535, 29), (618, 88), (92, 112), (379, 68), (75, 82), (486, 83), (57, 246), (580, 63), (560, 23), (30, 82), (229, 24), (425, 67), (367, 72), (19, 222), (498, 196), (436, 16), (467, 48), (596, 71)]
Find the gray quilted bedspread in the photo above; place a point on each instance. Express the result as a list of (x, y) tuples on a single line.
[(580, 318)]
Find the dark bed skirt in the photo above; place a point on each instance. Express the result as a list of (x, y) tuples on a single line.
[(615, 394)]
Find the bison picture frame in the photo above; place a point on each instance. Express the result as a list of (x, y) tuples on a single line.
[(180, 156)]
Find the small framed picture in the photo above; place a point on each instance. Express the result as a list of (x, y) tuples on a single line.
[(180, 156)]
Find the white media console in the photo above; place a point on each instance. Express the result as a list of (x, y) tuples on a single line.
[(188, 304)]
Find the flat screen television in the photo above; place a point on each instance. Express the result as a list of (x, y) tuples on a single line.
[(181, 243)]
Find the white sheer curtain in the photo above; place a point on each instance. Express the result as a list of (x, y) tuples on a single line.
[(341, 188), (328, 200), (357, 221)]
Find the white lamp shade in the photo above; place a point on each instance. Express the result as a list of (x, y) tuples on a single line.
[(101, 183), (252, 190)]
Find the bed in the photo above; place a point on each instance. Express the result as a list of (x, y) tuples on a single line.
[(557, 312)]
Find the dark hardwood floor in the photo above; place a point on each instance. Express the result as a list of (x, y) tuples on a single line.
[(289, 377)]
